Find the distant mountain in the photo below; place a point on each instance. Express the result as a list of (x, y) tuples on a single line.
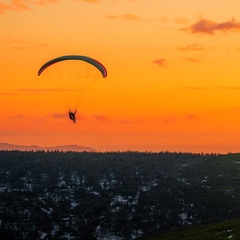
[(75, 148)]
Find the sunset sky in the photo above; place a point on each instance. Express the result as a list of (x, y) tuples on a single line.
[(173, 74)]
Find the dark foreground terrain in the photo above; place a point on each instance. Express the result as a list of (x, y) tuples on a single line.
[(229, 229), (118, 195)]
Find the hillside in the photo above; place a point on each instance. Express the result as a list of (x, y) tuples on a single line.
[(114, 195), (75, 148), (215, 231)]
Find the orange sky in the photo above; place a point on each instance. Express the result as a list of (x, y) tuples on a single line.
[(173, 74)]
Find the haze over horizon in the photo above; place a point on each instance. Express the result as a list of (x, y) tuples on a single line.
[(173, 79), (78, 148)]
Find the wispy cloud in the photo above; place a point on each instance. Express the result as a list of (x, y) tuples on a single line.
[(18, 116), (162, 62), (195, 88), (33, 90), (191, 117), (4, 7), (181, 20), (8, 94), (112, 120), (228, 88), (19, 44), (91, 1), (126, 17), (169, 119), (49, 90), (22, 5), (14, 5), (164, 19), (193, 60), (59, 115), (20, 93), (176, 118), (204, 26), (192, 47), (102, 118)]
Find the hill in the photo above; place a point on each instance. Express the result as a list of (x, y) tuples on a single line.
[(214, 231), (64, 148)]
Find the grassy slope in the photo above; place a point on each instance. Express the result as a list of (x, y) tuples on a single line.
[(214, 231)]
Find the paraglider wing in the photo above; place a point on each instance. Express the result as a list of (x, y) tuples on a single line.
[(89, 60)]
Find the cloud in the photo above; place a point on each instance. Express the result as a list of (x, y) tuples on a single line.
[(101, 118), (178, 118), (21, 92), (192, 47), (204, 26), (111, 120), (164, 19), (91, 1), (195, 88), (194, 60), (49, 90), (191, 117), (5, 7), (18, 44), (34, 91), (14, 5), (169, 119), (181, 20), (126, 17), (228, 88), (59, 115), (160, 62), (22, 5), (18, 116), (8, 94)]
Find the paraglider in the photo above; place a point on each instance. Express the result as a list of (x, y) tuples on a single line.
[(72, 115), (80, 76)]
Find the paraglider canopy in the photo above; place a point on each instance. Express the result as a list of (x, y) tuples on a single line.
[(92, 61)]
